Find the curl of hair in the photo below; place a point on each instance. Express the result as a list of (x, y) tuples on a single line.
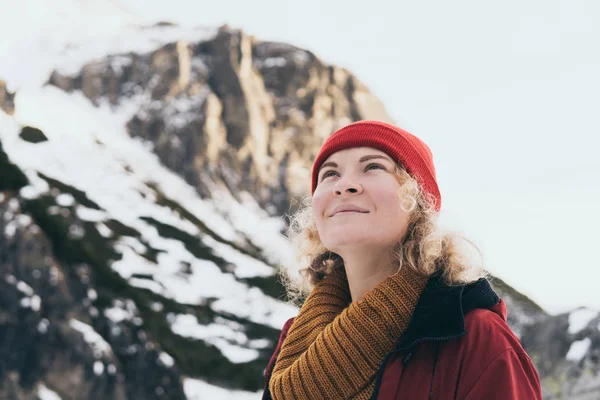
[(425, 247)]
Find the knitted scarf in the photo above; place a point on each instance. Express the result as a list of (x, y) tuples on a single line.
[(333, 350)]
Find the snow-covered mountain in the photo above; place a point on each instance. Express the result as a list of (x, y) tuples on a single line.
[(144, 175)]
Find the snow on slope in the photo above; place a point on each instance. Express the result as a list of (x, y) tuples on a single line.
[(46, 394), (64, 34), (225, 335), (96, 342), (579, 319), (578, 349), (88, 148), (114, 175), (196, 389)]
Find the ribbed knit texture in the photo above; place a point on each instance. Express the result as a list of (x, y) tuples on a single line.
[(333, 350), (403, 147)]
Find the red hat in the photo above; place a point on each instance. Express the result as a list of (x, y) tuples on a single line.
[(405, 148)]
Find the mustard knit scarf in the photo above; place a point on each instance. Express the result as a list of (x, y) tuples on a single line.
[(333, 350)]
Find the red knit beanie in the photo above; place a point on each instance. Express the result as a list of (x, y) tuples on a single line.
[(405, 148)]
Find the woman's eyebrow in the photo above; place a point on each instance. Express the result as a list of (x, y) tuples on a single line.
[(328, 164), (362, 159), (373, 156)]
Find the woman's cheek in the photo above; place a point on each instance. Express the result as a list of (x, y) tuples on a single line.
[(318, 203)]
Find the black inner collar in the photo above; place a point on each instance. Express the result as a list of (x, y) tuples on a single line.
[(440, 311)]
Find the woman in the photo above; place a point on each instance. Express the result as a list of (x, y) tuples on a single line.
[(394, 309)]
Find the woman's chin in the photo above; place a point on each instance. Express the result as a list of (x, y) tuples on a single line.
[(346, 238)]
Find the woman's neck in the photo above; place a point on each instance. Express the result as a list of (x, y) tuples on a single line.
[(365, 271)]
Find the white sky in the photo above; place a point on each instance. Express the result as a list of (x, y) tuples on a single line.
[(507, 95)]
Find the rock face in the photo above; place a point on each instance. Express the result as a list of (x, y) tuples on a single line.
[(178, 292), (566, 351), (263, 110), (565, 348), (52, 291), (7, 103)]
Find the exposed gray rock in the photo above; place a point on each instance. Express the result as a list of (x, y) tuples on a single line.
[(566, 355), (53, 296), (522, 311), (232, 110), (7, 99)]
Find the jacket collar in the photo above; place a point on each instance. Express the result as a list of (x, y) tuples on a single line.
[(440, 311)]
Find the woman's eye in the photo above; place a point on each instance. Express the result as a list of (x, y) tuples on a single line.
[(374, 166), (327, 174)]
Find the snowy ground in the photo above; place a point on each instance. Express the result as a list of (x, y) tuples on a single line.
[(69, 33), (114, 175), (580, 319), (73, 156), (88, 148), (198, 390)]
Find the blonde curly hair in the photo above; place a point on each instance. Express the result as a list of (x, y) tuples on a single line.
[(425, 247)]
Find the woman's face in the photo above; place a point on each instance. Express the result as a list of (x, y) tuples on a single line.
[(357, 201)]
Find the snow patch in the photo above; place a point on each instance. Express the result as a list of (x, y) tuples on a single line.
[(166, 359), (263, 230), (35, 302), (111, 369), (578, 349), (10, 229), (134, 244), (98, 368), (10, 279), (180, 111), (231, 343), (13, 204), (76, 232), (65, 200), (119, 313), (271, 62), (580, 319), (89, 214), (92, 30), (256, 307), (25, 288), (43, 325), (259, 343), (103, 230), (93, 338), (196, 389), (46, 394), (149, 284), (246, 266), (92, 295), (24, 220), (206, 280)]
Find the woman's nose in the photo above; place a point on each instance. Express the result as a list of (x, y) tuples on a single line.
[(347, 185)]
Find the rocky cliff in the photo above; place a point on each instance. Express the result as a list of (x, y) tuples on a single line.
[(263, 110), (6, 99), (140, 218)]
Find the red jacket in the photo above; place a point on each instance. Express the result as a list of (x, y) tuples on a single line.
[(457, 346)]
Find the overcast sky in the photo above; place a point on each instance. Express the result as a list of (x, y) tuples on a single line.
[(506, 94)]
